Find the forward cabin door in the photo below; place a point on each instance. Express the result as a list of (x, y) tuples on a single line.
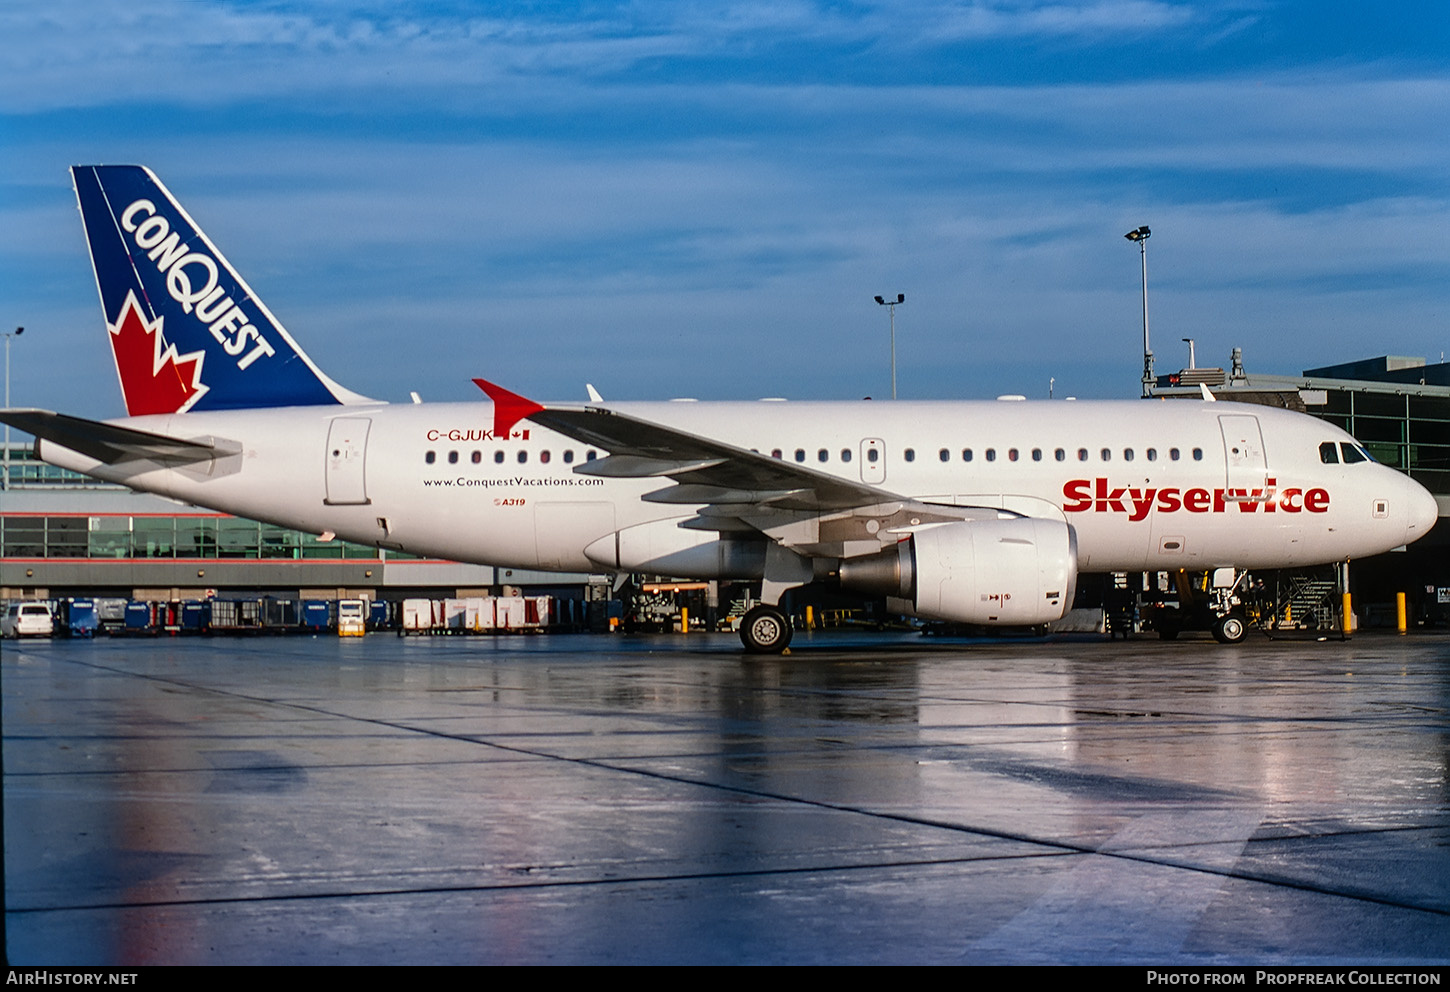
[(347, 447), (1243, 448)]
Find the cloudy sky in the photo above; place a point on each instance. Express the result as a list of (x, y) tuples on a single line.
[(701, 199)]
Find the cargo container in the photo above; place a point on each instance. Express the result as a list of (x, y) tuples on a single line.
[(421, 616), (78, 618), (236, 616), (193, 616), (280, 616), (316, 615), (140, 618), (111, 613)]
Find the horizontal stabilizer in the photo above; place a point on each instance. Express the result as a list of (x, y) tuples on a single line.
[(106, 442)]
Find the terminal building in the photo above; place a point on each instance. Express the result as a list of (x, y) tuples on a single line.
[(1399, 408), (64, 535)]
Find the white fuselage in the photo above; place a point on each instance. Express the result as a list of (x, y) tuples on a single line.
[(1145, 485)]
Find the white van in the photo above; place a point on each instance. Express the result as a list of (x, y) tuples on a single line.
[(27, 620)]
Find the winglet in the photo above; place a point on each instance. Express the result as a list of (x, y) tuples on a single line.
[(508, 408)]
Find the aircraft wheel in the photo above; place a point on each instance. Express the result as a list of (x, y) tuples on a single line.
[(765, 630), (1230, 629)]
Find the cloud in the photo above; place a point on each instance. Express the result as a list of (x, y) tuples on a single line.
[(549, 195), (1090, 20), (81, 53)]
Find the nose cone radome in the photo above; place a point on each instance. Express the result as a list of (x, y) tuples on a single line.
[(1423, 511)]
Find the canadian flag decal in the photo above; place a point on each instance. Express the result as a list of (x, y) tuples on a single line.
[(154, 378)]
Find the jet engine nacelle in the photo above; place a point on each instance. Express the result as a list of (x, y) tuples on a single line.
[(1018, 571), (665, 548)]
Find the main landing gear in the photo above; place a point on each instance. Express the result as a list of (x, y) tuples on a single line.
[(765, 630), (1230, 629)]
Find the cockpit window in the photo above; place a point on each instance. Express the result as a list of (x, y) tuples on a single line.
[(1352, 453), (1328, 453)]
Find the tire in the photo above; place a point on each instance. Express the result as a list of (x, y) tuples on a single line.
[(1230, 629), (765, 630)]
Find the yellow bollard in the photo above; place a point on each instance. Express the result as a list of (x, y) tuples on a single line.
[(1400, 618), (684, 620), (810, 618), (1348, 626)]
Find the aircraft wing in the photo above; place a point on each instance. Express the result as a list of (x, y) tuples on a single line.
[(813, 513), (708, 471), (108, 443)]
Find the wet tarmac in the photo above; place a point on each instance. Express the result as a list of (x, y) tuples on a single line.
[(867, 799)]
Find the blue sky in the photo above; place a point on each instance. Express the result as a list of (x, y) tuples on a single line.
[(701, 199)]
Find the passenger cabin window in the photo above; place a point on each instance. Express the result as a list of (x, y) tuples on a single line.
[(1198, 454), (966, 454), (823, 455), (452, 458), (800, 454), (1152, 454), (1082, 454), (909, 454), (1037, 454), (430, 457), (845, 454), (1328, 453), (1060, 455), (569, 457), (1107, 454), (498, 457), (477, 457), (1011, 454), (872, 455), (775, 452), (590, 455), (991, 454), (1173, 454), (1127, 454), (544, 456), (523, 457), (944, 455)]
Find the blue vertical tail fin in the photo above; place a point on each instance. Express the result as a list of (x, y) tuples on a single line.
[(186, 331)]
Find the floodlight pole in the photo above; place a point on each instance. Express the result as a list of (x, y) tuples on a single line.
[(1141, 236), (891, 305), (5, 476)]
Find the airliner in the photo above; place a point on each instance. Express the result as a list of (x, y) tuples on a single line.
[(977, 512)]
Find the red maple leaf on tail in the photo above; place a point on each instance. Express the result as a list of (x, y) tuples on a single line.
[(154, 378)]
